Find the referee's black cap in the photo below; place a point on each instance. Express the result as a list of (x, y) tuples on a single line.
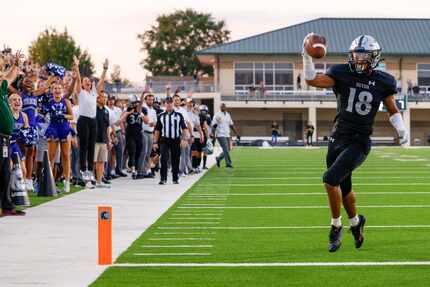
[(169, 99)]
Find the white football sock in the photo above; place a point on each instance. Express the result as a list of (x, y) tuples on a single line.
[(354, 221), (337, 221)]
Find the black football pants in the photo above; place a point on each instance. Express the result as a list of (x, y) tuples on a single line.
[(344, 155), (174, 146)]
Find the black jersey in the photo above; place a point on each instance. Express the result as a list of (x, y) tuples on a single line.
[(358, 98), (205, 118), (134, 124)]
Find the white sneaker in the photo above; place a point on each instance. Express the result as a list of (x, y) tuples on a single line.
[(85, 176), (66, 186), (89, 185), (91, 176), (29, 185), (102, 185)]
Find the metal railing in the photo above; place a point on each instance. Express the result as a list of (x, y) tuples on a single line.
[(422, 96), (286, 96)]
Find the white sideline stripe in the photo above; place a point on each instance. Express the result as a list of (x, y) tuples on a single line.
[(320, 177), (289, 227), (321, 193), (172, 254), (177, 246), (309, 206), (318, 184), (184, 233), (179, 239), (277, 264)]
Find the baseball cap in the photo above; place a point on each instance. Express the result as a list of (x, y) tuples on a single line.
[(169, 99)]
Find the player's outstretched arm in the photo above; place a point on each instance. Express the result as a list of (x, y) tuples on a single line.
[(396, 119), (313, 78)]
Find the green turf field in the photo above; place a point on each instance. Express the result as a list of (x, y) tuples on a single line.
[(266, 223)]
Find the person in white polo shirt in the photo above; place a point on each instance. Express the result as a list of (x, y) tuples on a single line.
[(85, 96), (221, 125), (185, 166), (115, 154), (147, 135)]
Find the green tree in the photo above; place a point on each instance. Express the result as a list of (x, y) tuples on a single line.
[(59, 48), (172, 42)]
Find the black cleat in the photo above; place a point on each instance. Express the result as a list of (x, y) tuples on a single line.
[(218, 164), (335, 237), (175, 182), (162, 182), (358, 231)]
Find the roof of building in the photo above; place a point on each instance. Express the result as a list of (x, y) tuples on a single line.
[(397, 36)]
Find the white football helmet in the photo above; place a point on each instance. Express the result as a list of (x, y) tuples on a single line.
[(364, 54)]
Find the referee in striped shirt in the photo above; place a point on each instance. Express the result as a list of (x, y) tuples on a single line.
[(168, 132)]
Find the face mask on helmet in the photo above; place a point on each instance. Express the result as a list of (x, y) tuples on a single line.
[(362, 62), (364, 54)]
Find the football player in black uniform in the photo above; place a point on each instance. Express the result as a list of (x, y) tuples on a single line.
[(205, 123), (359, 89)]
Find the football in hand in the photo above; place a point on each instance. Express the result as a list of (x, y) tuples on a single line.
[(315, 45)]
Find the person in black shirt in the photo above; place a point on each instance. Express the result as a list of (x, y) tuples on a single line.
[(205, 123), (359, 89), (309, 131), (103, 142), (275, 133), (168, 131), (133, 133)]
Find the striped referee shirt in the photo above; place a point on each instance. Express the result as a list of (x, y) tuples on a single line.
[(170, 125)]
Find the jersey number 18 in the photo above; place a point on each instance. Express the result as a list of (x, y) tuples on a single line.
[(363, 106)]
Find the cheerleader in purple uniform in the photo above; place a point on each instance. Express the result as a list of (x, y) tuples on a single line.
[(20, 126), (29, 97), (59, 130)]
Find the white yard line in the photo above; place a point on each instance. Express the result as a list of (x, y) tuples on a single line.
[(425, 170), (288, 227), (181, 239), (194, 218), (208, 204), (319, 184), (194, 222), (317, 193), (177, 246), (172, 254), (196, 214), (184, 233), (278, 264), (307, 207), (316, 177)]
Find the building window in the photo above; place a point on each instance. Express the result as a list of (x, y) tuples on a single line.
[(423, 71), (273, 76)]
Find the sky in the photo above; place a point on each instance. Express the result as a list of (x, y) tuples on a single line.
[(108, 29)]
